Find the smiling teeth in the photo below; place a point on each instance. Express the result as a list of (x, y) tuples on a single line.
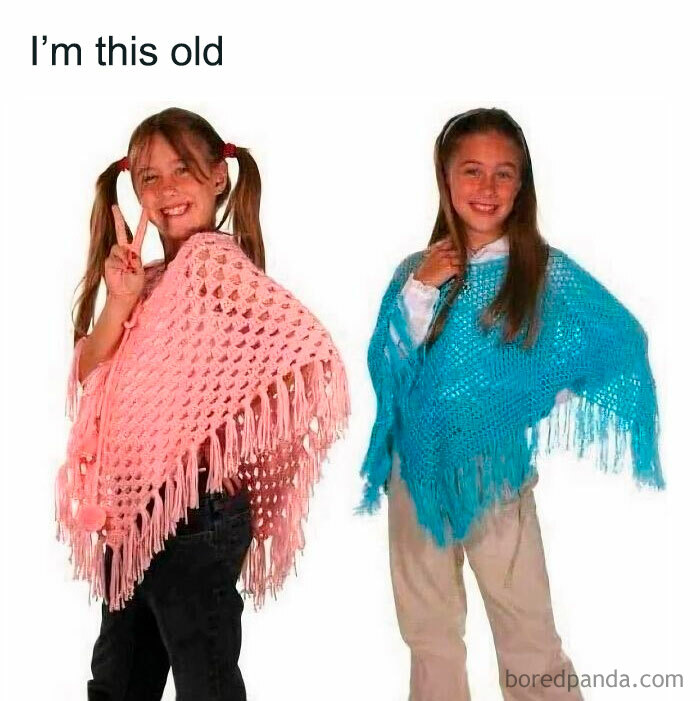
[(484, 207), (174, 211)]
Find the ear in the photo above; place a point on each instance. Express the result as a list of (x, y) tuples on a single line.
[(220, 176)]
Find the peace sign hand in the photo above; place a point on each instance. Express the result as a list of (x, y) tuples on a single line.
[(124, 274)]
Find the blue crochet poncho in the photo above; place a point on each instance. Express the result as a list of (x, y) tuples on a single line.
[(469, 416)]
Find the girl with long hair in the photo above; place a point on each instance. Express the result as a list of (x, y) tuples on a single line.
[(204, 399), (492, 347)]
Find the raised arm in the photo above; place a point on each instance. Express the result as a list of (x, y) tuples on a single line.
[(124, 278)]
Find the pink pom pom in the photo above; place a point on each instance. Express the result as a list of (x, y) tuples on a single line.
[(91, 517)]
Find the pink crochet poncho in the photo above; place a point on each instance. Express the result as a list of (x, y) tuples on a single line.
[(218, 363)]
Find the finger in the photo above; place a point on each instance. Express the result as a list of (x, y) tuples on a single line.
[(127, 262), (446, 250), (122, 255), (447, 256), (434, 254), (124, 260), (119, 225), (137, 243), (117, 258), (135, 261), (449, 252), (228, 486), (449, 247)]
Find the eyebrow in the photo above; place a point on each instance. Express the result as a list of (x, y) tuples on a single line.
[(149, 167), (504, 163)]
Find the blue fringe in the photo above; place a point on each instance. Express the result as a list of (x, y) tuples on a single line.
[(455, 484)]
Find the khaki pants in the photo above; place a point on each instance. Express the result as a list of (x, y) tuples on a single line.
[(507, 558)]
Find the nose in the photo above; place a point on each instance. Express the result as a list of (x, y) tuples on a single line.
[(168, 187), (487, 185)]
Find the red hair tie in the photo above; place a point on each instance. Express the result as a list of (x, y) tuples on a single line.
[(123, 164), (229, 151)]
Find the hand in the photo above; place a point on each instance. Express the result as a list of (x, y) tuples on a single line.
[(440, 263), (232, 485), (124, 274)]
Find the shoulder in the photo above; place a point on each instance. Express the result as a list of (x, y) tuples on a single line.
[(400, 275), (582, 293), (211, 249), (213, 241), (564, 271), (407, 266), (558, 259)]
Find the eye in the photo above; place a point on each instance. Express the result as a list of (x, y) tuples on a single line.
[(472, 172), (182, 169), (148, 178), (505, 175)]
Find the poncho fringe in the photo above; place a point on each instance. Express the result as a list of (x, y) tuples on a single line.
[(299, 415), (453, 484)]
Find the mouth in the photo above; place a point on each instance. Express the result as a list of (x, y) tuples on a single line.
[(176, 210), (483, 208)]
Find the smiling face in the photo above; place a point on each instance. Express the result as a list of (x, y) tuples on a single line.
[(176, 201), (484, 177)]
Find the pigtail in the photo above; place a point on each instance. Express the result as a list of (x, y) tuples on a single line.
[(103, 236), (243, 207), (242, 202)]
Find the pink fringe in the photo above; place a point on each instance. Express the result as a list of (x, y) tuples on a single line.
[(248, 437), (324, 397), (283, 410), (264, 435), (216, 468), (268, 563), (232, 456), (193, 478), (300, 404)]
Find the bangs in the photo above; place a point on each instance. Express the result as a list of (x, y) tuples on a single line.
[(180, 140)]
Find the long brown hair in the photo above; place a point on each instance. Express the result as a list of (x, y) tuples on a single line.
[(517, 300), (242, 203)]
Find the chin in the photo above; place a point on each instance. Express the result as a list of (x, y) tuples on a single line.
[(483, 226), (183, 230)]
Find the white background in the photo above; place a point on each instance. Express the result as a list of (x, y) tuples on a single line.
[(340, 105)]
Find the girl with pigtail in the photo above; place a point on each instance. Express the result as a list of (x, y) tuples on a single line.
[(491, 348), (204, 399)]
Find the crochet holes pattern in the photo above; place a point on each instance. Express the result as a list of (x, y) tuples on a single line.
[(471, 415), (223, 370)]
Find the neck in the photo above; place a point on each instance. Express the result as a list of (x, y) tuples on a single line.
[(170, 247), (478, 239)]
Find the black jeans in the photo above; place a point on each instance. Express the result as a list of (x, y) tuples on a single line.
[(186, 613)]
